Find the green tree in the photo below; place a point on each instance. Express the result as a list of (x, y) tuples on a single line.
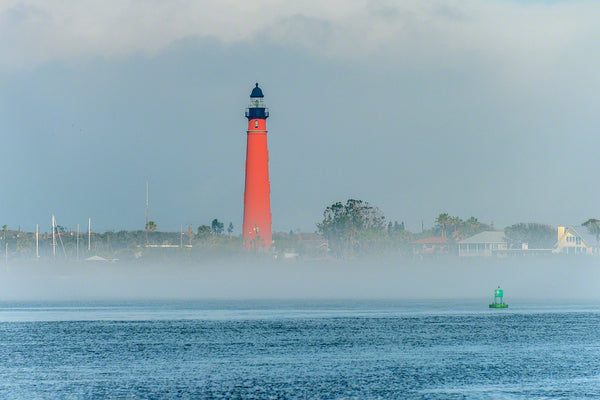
[(216, 227), (537, 236), (230, 228), (593, 227), (395, 227), (455, 222), (443, 221), (472, 224), (204, 231), (352, 228), (151, 226)]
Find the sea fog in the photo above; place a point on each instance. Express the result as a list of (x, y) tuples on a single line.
[(540, 278)]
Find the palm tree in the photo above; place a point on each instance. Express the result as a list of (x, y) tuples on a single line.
[(443, 220), (473, 224), (455, 221)]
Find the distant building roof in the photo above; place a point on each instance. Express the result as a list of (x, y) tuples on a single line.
[(102, 259), (585, 235), (96, 258), (432, 240), (485, 237)]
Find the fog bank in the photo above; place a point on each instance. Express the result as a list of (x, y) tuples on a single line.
[(540, 278)]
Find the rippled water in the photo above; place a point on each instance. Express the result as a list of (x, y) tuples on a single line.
[(312, 350)]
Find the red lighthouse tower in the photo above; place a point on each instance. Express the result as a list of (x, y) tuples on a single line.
[(256, 229)]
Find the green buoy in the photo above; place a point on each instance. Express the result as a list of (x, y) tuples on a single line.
[(498, 302)]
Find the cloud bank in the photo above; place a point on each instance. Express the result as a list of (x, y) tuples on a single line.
[(505, 34), (471, 107)]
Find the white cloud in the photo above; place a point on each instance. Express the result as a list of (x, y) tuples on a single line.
[(508, 34)]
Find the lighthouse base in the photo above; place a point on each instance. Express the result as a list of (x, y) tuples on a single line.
[(498, 305)]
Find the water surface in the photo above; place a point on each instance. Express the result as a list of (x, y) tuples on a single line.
[(299, 349)]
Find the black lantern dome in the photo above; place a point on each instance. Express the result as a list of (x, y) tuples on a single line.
[(257, 109), (257, 92)]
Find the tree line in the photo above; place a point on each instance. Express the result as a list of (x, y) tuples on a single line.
[(65, 243), (350, 229), (355, 227)]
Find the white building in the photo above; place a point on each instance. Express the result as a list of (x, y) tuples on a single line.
[(483, 244)]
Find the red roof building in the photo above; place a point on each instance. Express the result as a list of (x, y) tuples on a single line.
[(431, 245)]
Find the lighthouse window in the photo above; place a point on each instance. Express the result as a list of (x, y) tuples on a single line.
[(256, 123)]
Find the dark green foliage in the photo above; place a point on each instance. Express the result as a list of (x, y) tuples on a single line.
[(397, 234), (473, 225), (444, 222), (593, 227), (216, 227), (352, 228), (204, 231), (455, 228), (395, 227), (537, 236)]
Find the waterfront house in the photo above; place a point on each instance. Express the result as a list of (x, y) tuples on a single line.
[(431, 245), (483, 244), (576, 240)]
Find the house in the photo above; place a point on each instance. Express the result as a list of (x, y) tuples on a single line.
[(431, 245), (576, 240), (483, 244)]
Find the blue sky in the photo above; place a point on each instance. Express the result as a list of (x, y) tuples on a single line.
[(474, 108)]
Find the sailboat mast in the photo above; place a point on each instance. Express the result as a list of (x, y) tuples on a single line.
[(53, 236), (146, 214), (77, 241), (37, 240)]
